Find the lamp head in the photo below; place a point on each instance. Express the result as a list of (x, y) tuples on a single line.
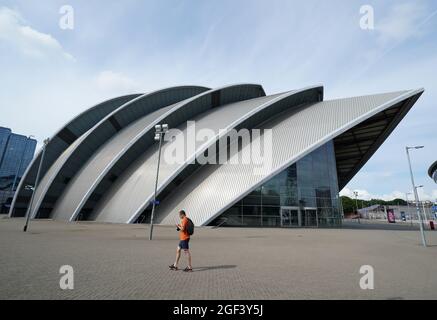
[(415, 147)]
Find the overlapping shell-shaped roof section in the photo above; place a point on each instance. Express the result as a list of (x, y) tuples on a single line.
[(101, 165)]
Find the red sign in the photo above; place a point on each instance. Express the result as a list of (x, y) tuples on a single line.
[(391, 216)]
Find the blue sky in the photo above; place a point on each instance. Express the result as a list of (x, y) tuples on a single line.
[(48, 74)]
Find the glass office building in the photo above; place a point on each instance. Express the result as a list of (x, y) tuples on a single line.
[(303, 195), (16, 152)]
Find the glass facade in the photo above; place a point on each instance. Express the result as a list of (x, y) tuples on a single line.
[(303, 195), (16, 152), (4, 136)]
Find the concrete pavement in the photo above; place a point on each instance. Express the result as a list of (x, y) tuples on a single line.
[(119, 262)]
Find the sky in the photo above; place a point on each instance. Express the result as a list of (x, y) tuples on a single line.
[(49, 74)]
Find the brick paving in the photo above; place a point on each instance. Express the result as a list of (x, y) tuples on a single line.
[(119, 262)]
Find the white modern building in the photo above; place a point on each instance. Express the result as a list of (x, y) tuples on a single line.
[(101, 166)]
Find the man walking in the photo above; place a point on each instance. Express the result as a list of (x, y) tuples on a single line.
[(184, 238)]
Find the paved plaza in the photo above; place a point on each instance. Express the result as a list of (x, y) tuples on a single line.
[(119, 262)]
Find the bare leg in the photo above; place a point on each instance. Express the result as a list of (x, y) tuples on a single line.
[(178, 256), (189, 258)]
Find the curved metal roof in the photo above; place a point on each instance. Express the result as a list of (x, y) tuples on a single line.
[(355, 147), (62, 139), (67, 203), (111, 156), (67, 165), (132, 191), (103, 162), (203, 195)]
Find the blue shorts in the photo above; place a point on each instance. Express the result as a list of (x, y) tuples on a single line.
[(183, 244)]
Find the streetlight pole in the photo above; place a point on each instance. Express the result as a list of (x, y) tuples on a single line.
[(416, 197), (261, 209), (356, 205), (20, 164), (424, 218), (160, 130), (29, 209), (408, 207), (424, 212)]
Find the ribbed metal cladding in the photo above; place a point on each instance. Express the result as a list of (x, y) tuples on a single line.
[(79, 186), (67, 165), (128, 123), (106, 160), (214, 188), (63, 139), (53, 170), (134, 184), (88, 164), (132, 192)]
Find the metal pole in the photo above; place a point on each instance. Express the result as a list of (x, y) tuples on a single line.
[(408, 209), (29, 209), (261, 209), (424, 212), (416, 197), (356, 205), (156, 187)]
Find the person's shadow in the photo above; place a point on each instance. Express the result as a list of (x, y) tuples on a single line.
[(197, 269)]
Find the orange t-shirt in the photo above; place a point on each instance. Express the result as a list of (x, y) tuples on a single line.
[(183, 234)]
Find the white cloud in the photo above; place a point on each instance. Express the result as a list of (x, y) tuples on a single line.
[(113, 81), (32, 43), (366, 195)]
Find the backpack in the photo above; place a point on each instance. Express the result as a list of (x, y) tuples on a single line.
[(190, 227)]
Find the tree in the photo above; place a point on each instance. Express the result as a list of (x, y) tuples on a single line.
[(348, 204), (350, 207)]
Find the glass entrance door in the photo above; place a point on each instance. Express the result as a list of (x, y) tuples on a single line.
[(290, 217), (310, 218)]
